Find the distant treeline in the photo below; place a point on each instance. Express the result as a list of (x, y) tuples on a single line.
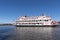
[(59, 22), (5, 24)]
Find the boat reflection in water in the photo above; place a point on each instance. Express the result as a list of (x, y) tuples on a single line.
[(37, 33), (29, 33)]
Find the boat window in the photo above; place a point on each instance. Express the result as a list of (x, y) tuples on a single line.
[(45, 20), (39, 20)]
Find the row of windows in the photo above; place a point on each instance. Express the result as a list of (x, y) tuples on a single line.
[(30, 23), (33, 20)]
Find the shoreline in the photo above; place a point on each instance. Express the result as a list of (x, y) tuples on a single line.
[(5, 24)]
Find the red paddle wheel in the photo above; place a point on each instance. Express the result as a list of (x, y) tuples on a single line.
[(54, 22)]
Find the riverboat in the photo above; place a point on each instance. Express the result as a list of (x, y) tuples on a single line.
[(36, 21)]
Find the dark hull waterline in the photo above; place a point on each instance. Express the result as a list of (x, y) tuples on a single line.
[(36, 25)]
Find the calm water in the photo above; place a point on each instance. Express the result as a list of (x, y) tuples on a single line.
[(29, 33)]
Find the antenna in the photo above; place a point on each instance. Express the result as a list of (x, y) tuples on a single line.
[(42, 14)]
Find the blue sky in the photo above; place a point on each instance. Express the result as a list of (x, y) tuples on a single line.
[(11, 9)]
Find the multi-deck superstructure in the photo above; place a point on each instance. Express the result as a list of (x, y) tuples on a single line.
[(35, 21)]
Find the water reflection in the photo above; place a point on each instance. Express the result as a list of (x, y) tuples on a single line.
[(34, 33), (29, 33)]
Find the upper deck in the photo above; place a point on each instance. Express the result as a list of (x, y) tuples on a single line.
[(22, 18)]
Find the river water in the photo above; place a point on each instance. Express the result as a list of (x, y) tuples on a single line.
[(29, 33)]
